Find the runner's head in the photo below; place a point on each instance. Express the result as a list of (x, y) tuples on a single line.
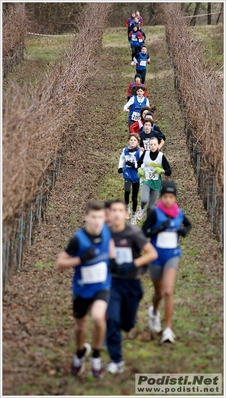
[(149, 116), (135, 28), (134, 140), (137, 78), (107, 207), (94, 217), (140, 91), (147, 126), (144, 110), (144, 49), (154, 144), (168, 193), (118, 214)]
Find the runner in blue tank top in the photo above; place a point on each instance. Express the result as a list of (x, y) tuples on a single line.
[(164, 226), (89, 252), (134, 105), (128, 165)]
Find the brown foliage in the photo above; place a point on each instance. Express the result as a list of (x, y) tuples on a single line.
[(14, 29), (33, 130), (201, 100)]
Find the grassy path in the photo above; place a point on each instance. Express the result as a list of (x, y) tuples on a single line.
[(38, 339)]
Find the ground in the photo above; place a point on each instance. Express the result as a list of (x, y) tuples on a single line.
[(38, 327)]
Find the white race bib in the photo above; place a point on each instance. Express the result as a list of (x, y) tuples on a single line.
[(146, 144), (94, 273), (143, 63), (124, 255), (150, 174), (135, 116), (167, 240)]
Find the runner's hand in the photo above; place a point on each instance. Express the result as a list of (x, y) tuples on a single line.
[(182, 232), (89, 254), (159, 170), (131, 164), (120, 170), (140, 172)]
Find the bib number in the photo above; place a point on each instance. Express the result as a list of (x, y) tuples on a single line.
[(143, 63), (94, 273), (123, 255), (167, 240), (135, 116), (150, 175)]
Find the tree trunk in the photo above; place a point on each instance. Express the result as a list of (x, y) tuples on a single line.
[(193, 20), (221, 11), (209, 13)]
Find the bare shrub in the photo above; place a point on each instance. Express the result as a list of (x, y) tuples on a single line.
[(201, 100), (34, 126), (14, 24)]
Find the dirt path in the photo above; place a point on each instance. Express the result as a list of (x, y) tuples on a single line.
[(38, 339)]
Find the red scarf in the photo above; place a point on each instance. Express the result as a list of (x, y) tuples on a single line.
[(172, 211)]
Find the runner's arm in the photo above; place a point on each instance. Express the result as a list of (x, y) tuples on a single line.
[(149, 255), (128, 104), (166, 166), (65, 259)]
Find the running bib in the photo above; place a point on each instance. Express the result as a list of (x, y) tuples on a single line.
[(135, 116), (167, 240), (94, 273), (124, 255), (151, 175), (146, 144), (143, 63)]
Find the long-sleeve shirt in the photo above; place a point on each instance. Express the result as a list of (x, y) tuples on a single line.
[(131, 102), (153, 156)]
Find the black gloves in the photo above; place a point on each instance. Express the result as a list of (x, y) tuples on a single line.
[(131, 164), (182, 232), (121, 269), (89, 254), (161, 228), (120, 170)]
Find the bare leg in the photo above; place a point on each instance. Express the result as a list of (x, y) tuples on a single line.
[(158, 285), (98, 314), (169, 277), (80, 332)]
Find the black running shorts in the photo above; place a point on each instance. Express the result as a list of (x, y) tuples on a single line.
[(81, 305)]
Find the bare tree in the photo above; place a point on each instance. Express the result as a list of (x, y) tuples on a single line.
[(193, 20), (220, 13), (209, 13)]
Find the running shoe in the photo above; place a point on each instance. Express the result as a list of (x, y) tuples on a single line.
[(128, 210), (140, 214), (154, 320), (133, 220), (97, 369), (168, 336), (114, 367), (78, 366)]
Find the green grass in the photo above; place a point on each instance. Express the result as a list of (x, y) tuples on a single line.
[(46, 48), (199, 343)]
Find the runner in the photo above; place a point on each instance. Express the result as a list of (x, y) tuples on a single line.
[(141, 60), (163, 226), (126, 290), (153, 164), (150, 132), (128, 166), (137, 82), (134, 105), (88, 253)]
